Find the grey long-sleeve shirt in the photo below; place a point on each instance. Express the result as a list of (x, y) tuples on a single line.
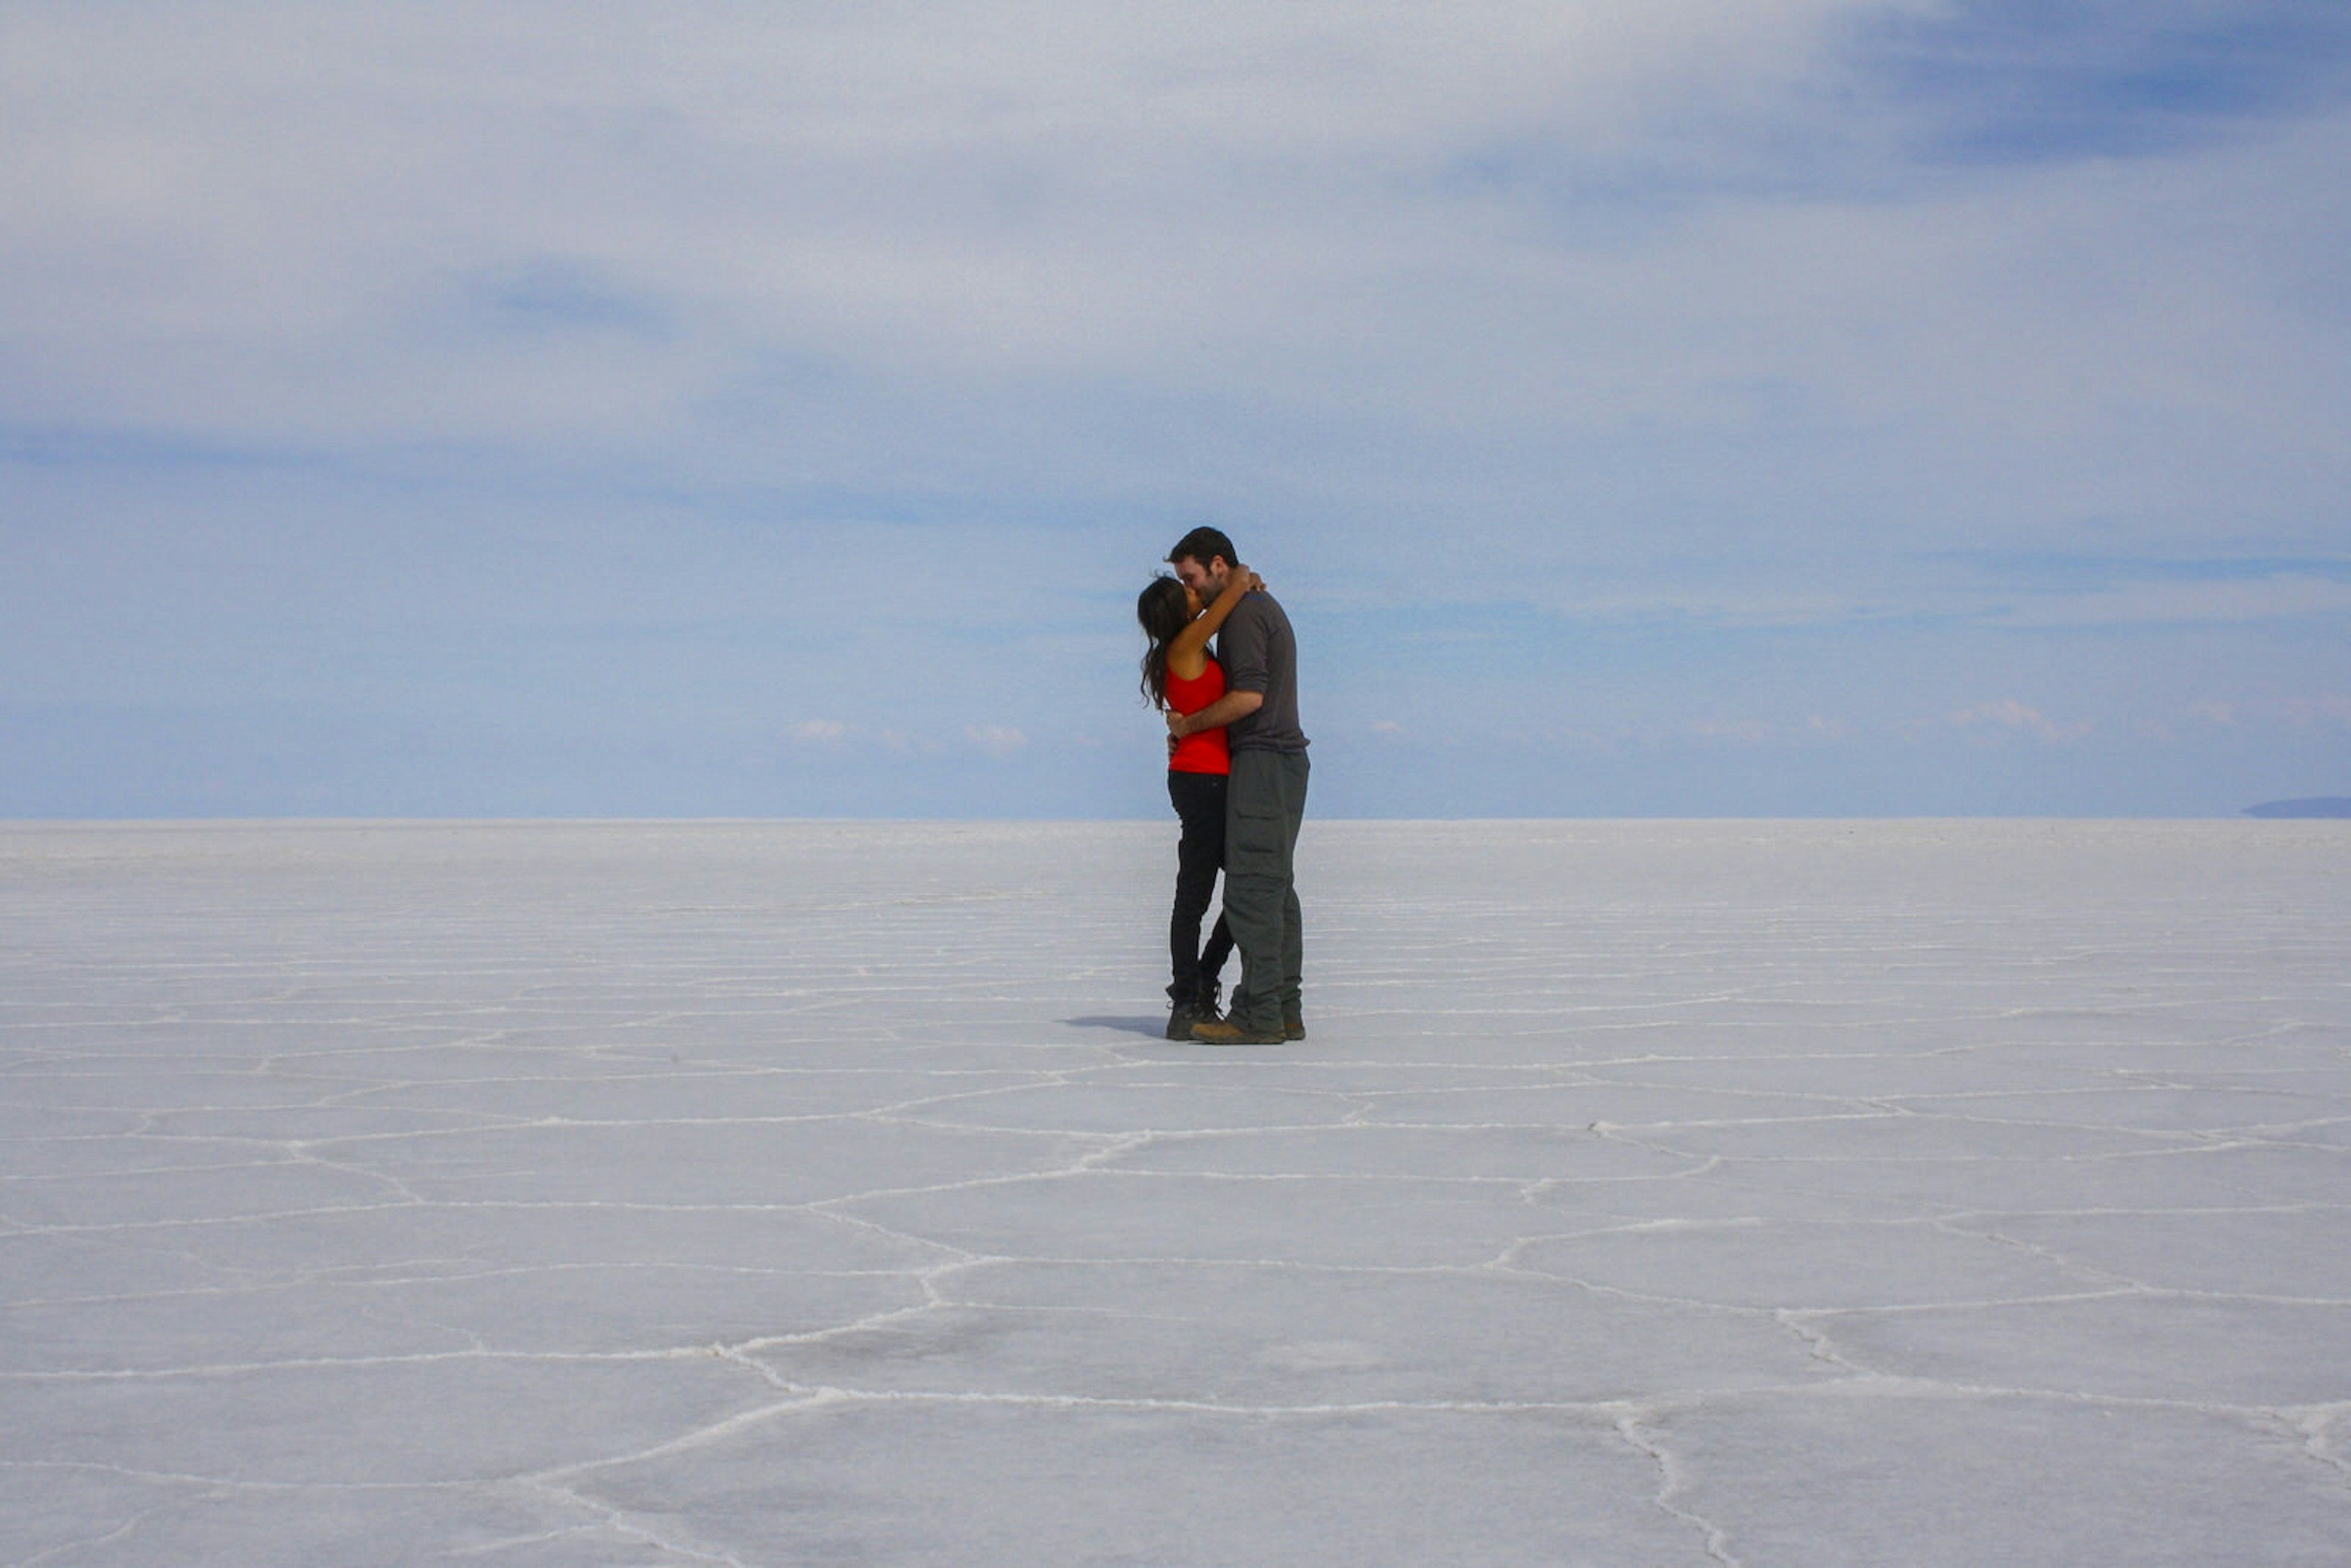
[(1259, 654)]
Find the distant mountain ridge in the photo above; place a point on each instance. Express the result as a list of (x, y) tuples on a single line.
[(2317, 805)]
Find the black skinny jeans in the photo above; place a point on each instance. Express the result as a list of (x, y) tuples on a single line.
[(1199, 799)]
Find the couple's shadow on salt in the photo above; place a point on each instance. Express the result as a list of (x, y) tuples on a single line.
[(1153, 1026)]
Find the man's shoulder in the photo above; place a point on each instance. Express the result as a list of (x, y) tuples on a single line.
[(1257, 629), (1260, 607)]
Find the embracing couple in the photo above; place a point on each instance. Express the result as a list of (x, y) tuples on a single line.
[(1236, 774)]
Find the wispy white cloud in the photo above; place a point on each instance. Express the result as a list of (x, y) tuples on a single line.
[(995, 740), (2331, 709), (2008, 713), (948, 247), (825, 732)]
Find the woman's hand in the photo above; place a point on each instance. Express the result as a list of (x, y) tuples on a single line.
[(1239, 582)]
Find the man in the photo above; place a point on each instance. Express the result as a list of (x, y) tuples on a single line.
[(1264, 804)]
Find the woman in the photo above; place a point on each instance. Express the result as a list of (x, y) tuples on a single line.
[(1179, 673)]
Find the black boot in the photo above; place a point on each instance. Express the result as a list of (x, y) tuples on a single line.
[(1200, 1007)]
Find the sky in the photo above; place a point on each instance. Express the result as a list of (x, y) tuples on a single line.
[(1655, 408)]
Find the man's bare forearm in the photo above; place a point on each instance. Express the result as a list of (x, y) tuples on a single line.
[(1223, 711)]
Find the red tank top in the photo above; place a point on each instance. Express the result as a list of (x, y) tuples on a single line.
[(1203, 751)]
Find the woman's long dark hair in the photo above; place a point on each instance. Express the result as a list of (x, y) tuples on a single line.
[(1164, 611)]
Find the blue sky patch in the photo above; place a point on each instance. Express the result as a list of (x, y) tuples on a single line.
[(2031, 81), (553, 296)]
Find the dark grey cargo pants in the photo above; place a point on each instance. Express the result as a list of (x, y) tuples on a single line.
[(1264, 807)]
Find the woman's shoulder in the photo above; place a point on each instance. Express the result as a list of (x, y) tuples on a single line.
[(1206, 658)]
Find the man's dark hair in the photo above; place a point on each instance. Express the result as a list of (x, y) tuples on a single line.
[(1204, 545)]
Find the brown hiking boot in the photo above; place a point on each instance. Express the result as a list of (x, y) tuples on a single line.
[(1224, 1031)]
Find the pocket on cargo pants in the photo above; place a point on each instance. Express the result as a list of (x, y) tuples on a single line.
[(1258, 838), (1257, 828)]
